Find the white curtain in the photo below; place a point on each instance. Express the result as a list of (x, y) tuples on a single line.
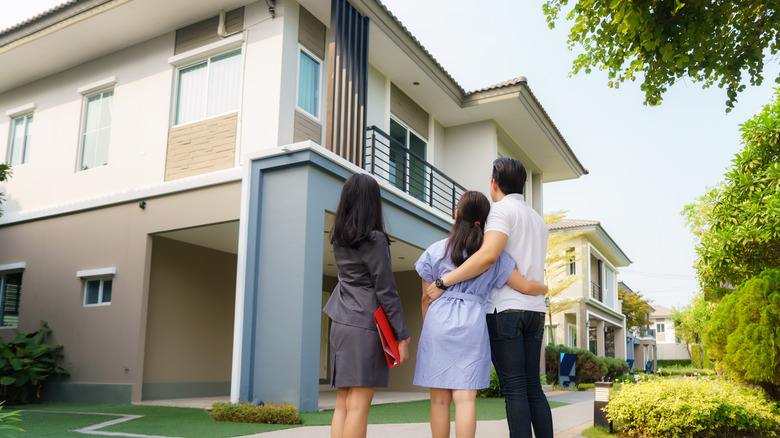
[(191, 103), (309, 84), (223, 88)]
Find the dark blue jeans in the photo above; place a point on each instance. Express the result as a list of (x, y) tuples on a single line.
[(515, 344)]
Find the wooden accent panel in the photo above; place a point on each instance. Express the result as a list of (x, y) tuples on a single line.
[(403, 107), (201, 147), (205, 32), (311, 33), (348, 74), (306, 129)]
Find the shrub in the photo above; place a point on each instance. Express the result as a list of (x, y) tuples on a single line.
[(585, 386), (494, 390), (272, 413), (587, 369), (615, 367), (674, 363), (743, 338), (693, 408), (684, 371), (25, 363), (6, 417)]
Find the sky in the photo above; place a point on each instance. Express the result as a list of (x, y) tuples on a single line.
[(645, 163)]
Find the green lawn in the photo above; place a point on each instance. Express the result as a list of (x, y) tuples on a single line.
[(56, 420)]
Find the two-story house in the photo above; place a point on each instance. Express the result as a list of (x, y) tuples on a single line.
[(595, 322), (667, 343), (176, 165)]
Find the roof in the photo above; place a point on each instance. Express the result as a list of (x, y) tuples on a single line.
[(572, 223), (43, 14), (660, 311)]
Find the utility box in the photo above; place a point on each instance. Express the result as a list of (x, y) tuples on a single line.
[(601, 398), (566, 369)]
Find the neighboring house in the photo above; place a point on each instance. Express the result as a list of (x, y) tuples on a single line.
[(668, 345), (640, 341), (176, 168), (594, 323)]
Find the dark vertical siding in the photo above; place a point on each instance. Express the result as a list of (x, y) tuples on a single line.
[(348, 67), (205, 32)]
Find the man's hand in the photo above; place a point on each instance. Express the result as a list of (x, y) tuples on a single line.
[(403, 350), (433, 292)]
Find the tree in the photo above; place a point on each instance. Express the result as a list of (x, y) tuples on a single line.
[(744, 333), (557, 262), (737, 224), (5, 173), (663, 41), (690, 324), (636, 308)]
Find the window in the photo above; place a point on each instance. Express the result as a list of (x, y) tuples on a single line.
[(19, 140), (309, 83), (660, 327), (97, 291), (404, 167), (98, 284), (552, 334), (208, 88), (572, 264), (572, 336), (96, 130), (10, 297)]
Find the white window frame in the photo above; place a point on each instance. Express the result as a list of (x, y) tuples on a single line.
[(88, 91), (317, 118), (199, 56), (101, 275), (571, 335), (551, 331), (25, 111), (13, 268), (409, 131)]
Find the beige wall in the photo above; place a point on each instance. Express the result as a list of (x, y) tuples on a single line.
[(102, 344), (189, 323), (409, 287)]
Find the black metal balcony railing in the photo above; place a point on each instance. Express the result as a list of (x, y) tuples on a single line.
[(387, 158), (595, 291)]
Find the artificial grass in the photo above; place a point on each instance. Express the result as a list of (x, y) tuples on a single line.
[(415, 412), (56, 420)]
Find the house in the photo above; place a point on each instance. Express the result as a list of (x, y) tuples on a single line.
[(669, 347), (595, 322), (641, 344), (176, 166)]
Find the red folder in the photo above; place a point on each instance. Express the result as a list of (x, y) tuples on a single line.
[(389, 343)]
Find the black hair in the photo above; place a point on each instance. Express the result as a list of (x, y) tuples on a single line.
[(509, 174), (468, 229), (359, 212)]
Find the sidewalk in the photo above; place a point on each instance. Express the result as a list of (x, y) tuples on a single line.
[(568, 422)]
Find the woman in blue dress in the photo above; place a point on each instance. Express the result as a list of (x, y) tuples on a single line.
[(453, 356)]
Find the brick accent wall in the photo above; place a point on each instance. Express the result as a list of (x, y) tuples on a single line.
[(201, 147)]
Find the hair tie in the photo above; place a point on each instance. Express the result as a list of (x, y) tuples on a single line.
[(476, 223)]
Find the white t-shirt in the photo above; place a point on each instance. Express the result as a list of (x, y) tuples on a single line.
[(527, 244)]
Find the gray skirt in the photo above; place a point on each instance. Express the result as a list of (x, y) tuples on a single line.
[(356, 357)]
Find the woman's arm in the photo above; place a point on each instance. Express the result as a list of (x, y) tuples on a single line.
[(425, 300), (479, 262), (528, 287)]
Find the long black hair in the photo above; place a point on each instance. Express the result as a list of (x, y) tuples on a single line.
[(359, 212), (468, 229)]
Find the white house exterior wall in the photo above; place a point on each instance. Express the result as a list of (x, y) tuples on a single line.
[(470, 151)]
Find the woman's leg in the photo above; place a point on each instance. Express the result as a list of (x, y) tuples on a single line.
[(339, 414), (465, 412), (440, 412), (358, 403)]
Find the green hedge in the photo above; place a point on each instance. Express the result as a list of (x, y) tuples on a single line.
[(587, 369), (684, 371), (674, 363), (615, 367), (271, 413), (667, 408)]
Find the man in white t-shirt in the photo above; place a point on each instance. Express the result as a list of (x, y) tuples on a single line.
[(515, 319)]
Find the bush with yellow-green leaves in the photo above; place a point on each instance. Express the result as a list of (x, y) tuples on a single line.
[(695, 408), (271, 413)]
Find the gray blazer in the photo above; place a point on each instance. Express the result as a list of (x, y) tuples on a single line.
[(366, 282)]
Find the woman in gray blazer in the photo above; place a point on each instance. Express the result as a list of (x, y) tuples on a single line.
[(362, 252)]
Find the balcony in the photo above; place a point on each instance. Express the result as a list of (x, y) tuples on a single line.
[(595, 291), (388, 159)]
